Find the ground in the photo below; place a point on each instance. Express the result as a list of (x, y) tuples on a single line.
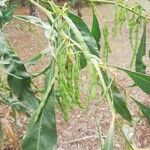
[(80, 132)]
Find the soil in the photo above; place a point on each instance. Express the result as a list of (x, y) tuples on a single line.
[(80, 131)]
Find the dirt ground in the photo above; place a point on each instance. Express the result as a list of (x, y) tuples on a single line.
[(80, 132)]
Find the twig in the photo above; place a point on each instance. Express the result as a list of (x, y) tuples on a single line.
[(123, 6), (81, 139)]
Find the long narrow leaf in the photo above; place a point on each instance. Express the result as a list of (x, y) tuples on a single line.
[(141, 80), (119, 103), (109, 139), (117, 98), (96, 30), (139, 65), (42, 135), (85, 32), (145, 109)]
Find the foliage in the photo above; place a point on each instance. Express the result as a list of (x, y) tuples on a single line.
[(6, 13), (72, 46)]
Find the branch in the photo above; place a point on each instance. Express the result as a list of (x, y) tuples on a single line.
[(122, 6)]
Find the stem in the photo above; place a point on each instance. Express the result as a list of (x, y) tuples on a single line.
[(48, 13), (108, 97), (123, 6)]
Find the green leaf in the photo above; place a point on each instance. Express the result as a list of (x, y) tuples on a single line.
[(106, 47), (82, 61), (96, 33), (6, 15), (141, 80), (42, 135), (20, 87), (145, 110), (109, 139), (85, 32), (18, 79), (87, 38), (119, 103), (139, 65), (14, 104), (117, 98)]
